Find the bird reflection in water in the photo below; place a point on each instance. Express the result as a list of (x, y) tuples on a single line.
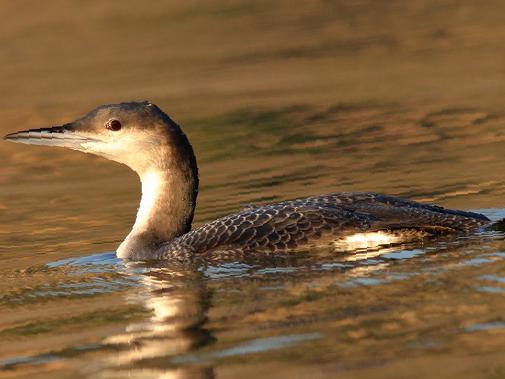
[(179, 301)]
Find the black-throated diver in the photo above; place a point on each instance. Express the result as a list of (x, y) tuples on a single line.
[(141, 136)]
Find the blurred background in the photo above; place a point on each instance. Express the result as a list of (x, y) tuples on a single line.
[(280, 99)]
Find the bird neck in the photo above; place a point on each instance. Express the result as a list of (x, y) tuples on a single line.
[(165, 212)]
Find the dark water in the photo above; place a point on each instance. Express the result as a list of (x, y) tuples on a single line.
[(279, 102)]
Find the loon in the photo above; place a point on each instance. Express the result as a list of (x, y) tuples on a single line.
[(141, 136)]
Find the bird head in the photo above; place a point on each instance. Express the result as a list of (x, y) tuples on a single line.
[(137, 134)]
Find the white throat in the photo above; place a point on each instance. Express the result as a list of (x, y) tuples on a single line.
[(165, 212), (152, 188)]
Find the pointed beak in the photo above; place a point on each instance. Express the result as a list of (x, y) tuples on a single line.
[(64, 136)]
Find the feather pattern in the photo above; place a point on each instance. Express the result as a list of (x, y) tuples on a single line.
[(298, 223)]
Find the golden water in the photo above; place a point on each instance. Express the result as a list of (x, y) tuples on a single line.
[(279, 101)]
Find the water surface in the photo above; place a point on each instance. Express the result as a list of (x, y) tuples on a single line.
[(279, 102)]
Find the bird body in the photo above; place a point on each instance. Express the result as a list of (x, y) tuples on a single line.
[(142, 136), (346, 220)]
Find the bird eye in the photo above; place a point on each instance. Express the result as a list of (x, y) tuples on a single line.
[(113, 125)]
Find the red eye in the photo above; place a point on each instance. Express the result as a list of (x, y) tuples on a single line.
[(113, 125)]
